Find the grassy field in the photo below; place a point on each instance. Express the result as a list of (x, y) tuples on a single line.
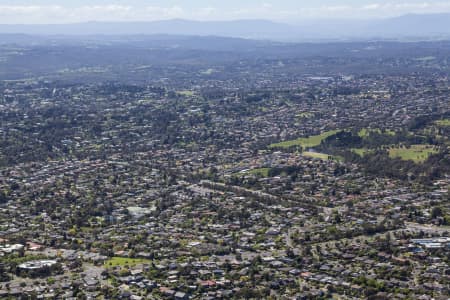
[(186, 93), (425, 58), (208, 72), (316, 155), (365, 132), (416, 153), (360, 151), (305, 115), (443, 123), (264, 172), (125, 261), (311, 141)]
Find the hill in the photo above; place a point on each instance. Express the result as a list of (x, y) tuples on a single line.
[(416, 27)]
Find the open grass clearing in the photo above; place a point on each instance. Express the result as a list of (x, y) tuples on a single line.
[(305, 115), (416, 153), (443, 123), (125, 261), (261, 172), (365, 132), (186, 93), (308, 142), (361, 151), (316, 155), (425, 58), (264, 172), (207, 72)]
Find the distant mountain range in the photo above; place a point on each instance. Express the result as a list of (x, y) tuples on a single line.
[(413, 27)]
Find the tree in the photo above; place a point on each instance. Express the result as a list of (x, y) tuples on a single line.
[(436, 212), (290, 253), (3, 197)]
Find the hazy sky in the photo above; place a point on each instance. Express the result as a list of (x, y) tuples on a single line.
[(51, 11)]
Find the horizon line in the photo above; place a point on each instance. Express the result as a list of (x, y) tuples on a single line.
[(285, 22)]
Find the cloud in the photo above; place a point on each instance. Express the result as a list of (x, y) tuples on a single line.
[(30, 13), (100, 12), (267, 10), (206, 13), (371, 6), (14, 14), (164, 12), (13, 10), (379, 9)]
